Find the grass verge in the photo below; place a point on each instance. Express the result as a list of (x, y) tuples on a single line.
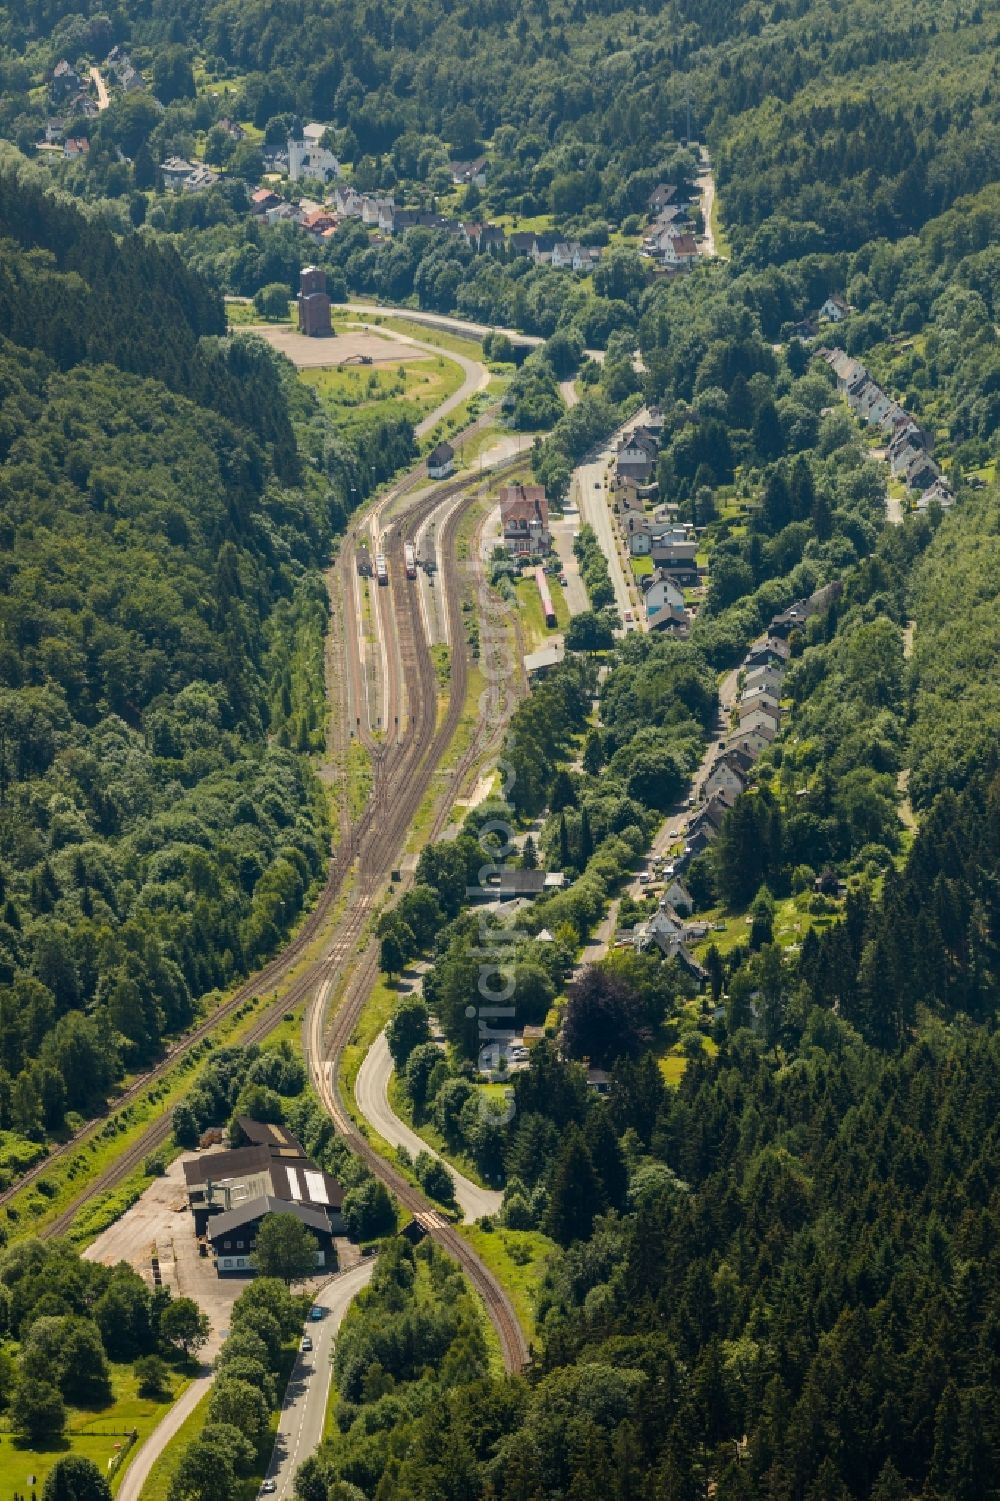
[(517, 1259)]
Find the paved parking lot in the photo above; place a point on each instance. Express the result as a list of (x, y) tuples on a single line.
[(313, 353), (161, 1221)]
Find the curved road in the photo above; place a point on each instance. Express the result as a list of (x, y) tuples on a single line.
[(453, 324), (371, 1090), (303, 1411), (137, 1474)]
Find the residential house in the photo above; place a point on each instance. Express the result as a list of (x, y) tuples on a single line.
[(663, 930), (318, 223), (524, 517), (262, 199), (130, 80), (680, 252), (232, 128), (835, 309), (663, 194), (921, 472), (767, 675), (522, 243), (54, 131), (768, 649), (464, 173), (725, 782), (795, 617), (665, 608), (902, 454), (847, 369), (751, 743), (75, 146), (673, 550), (875, 405), (378, 213), (174, 172), (66, 82), (82, 107), (759, 718), (441, 461), (703, 830), (200, 179), (483, 237), (758, 698), (678, 898), (907, 435), (542, 249), (347, 202), (636, 457), (940, 492)]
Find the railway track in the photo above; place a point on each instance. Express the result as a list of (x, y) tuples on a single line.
[(366, 851), (324, 1048)]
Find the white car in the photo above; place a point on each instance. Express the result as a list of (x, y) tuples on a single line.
[(307, 1343), (644, 878)]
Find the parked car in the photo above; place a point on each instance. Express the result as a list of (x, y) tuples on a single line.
[(644, 878), (628, 617), (269, 1487), (563, 580), (307, 1343)]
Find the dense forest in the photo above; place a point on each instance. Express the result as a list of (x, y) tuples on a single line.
[(772, 1270), (160, 692)]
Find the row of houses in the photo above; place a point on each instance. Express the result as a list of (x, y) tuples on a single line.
[(908, 446), (758, 719), (670, 546), (669, 238), (230, 1192)]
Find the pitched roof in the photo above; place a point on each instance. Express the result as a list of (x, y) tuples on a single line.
[(263, 1132), (215, 1167), (255, 1209)]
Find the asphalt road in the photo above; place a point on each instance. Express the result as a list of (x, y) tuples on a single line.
[(303, 1412), (592, 499), (679, 815), (456, 325), (372, 1094)]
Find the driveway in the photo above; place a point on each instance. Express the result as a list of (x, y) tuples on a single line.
[(372, 1094)]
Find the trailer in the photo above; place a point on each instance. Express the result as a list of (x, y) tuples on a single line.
[(364, 562), (548, 609), (410, 560), (381, 568)]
